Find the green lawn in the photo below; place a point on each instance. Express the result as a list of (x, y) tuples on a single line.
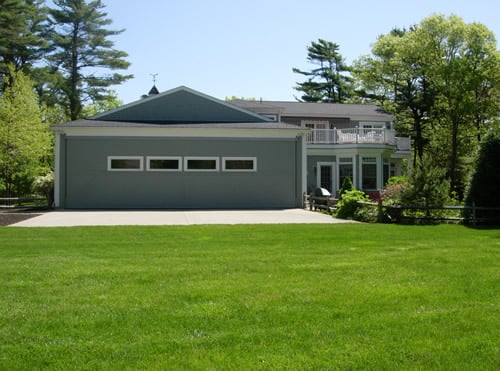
[(250, 297)]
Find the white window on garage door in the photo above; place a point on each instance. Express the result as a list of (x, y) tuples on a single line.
[(125, 163)]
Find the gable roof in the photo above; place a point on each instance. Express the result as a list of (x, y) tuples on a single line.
[(317, 110), (180, 105)]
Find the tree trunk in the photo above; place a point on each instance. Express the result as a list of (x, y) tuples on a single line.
[(454, 156)]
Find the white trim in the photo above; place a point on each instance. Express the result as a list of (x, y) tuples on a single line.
[(140, 158), (304, 165), (165, 131), (149, 158), (253, 159), (376, 162), (318, 175), (57, 170), (188, 158), (354, 170), (372, 124)]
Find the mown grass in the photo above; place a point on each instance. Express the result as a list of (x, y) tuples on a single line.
[(250, 297)]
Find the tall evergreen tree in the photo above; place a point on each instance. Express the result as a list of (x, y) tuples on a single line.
[(82, 49), (329, 82), (23, 27), (484, 187)]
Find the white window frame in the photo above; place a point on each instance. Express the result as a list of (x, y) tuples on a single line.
[(216, 159), (370, 160), (253, 159), (339, 162), (372, 124), (178, 158), (333, 180), (140, 158)]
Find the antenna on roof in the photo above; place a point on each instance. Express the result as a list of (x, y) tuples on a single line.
[(154, 77)]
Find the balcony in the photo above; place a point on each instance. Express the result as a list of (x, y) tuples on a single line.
[(358, 136)]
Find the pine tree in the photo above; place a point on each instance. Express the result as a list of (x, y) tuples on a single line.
[(82, 48), (328, 82), (22, 29)]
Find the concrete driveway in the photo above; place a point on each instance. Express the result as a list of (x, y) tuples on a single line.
[(103, 218)]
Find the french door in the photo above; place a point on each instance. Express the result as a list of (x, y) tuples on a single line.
[(325, 176)]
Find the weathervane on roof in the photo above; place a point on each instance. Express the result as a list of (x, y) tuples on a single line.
[(154, 90), (154, 77)]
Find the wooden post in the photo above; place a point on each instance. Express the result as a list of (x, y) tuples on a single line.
[(474, 213), (380, 215), (311, 201)]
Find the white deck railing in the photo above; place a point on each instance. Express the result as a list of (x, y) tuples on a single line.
[(357, 135)]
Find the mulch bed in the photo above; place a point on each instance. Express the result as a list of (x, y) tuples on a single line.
[(13, 216)]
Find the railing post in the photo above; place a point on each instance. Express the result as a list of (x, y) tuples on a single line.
[(311, 201)]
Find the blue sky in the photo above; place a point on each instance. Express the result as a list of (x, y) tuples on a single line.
[(248, 48)]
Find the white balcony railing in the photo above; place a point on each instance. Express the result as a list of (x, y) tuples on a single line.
[(354, 135)]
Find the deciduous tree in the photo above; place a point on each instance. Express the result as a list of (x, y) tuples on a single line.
[(442, 76), (25, 141)]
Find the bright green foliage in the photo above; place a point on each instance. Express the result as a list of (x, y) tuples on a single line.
[(440, 79), (108, 103), (275, 297), (348, 205), (81, 46), (329, 82), (25, 142), (346, 186), (484, 187), (428, 186)]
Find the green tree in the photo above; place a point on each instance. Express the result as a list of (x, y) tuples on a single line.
[(83, 49), (346, 186), (465, 77), (396, 77), (110, 102), (484, 187), (23, 28), (429, 185), (329, 82), (25, 141), (442, 77)]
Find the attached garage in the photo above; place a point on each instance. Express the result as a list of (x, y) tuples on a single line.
[(186, 151)]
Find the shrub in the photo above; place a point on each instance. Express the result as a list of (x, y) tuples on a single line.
[(484, 187), (45, 185), (396, 187), (428, 186), (348, 205), (346, 186)]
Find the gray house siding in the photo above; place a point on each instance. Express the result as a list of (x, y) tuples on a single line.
[(87, 182)]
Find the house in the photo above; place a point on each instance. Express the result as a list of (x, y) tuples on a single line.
[(179, 149), (354, 140)]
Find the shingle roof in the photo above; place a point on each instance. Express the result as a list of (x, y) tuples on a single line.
[(302, 109)]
